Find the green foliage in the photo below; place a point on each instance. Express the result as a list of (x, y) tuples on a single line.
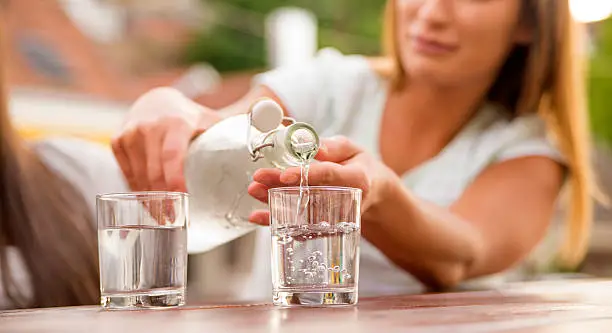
[(227, 50), (600, 84), (235, 42)]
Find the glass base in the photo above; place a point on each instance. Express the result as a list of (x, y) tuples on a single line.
[(332, 297), (154, 299)]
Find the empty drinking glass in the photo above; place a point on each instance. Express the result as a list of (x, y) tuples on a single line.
[(315, 245), (142, 240)]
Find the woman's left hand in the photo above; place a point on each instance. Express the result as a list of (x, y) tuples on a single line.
[(342, 163)]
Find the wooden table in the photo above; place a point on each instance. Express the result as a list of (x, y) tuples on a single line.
[(551, 306)]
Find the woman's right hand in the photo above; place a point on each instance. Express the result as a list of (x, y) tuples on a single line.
[(153, 142)]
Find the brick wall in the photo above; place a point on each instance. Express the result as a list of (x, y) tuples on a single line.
[(44, 25)]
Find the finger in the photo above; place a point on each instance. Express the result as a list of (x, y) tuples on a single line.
[(174, 150), (261, 217), (324, 173), (258, 191), (292, 176), (154, 172), (133, 144), (123, 161), (269, 177), (328, 174), (161, 210), (337, 149)]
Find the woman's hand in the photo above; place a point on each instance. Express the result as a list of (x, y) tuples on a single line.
[(153, 142), (342, 163)]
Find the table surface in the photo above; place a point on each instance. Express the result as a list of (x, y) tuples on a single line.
[(551, 306)]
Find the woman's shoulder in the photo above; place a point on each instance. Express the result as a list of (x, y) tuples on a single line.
[(328, 64), (73, 153), (324, 90), (490, 137), (89, 166), (352, 68), (334, 58), (505, 137)]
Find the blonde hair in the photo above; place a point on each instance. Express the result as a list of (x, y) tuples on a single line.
[(547, 76)]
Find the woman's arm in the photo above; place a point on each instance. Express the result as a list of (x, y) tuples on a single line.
[(152, 144), (499, 219), (496, 222), (243, 105)]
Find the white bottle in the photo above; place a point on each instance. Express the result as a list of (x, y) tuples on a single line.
[(220, 164)]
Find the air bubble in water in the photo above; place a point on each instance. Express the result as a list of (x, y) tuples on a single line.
[(344, 271), (324, 225), (284, 239), (347, 276), (290, 251), (301, 261), (336, 269), (322, 268), (317, 253), (315, 263), (346, 227), (293, 232), (311, 258)]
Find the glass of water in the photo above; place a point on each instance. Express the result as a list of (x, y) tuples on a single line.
[(315, 245), (142, 243)]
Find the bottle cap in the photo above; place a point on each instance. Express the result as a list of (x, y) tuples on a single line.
[(266, 115), (302, 141)]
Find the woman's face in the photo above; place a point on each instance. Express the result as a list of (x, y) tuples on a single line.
[(455, 41)]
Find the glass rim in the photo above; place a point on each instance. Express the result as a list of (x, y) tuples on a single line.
[(321, 188), (141, 195)]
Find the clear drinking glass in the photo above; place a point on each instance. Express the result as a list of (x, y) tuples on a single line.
[(142, 242), (315, 245)]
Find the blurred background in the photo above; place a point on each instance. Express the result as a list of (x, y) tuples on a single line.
[(75, 66)]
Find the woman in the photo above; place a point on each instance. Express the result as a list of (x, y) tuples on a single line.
[(448, 135), (48, 248)]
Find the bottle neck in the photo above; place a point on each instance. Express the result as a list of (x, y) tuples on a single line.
[(290, 146)]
